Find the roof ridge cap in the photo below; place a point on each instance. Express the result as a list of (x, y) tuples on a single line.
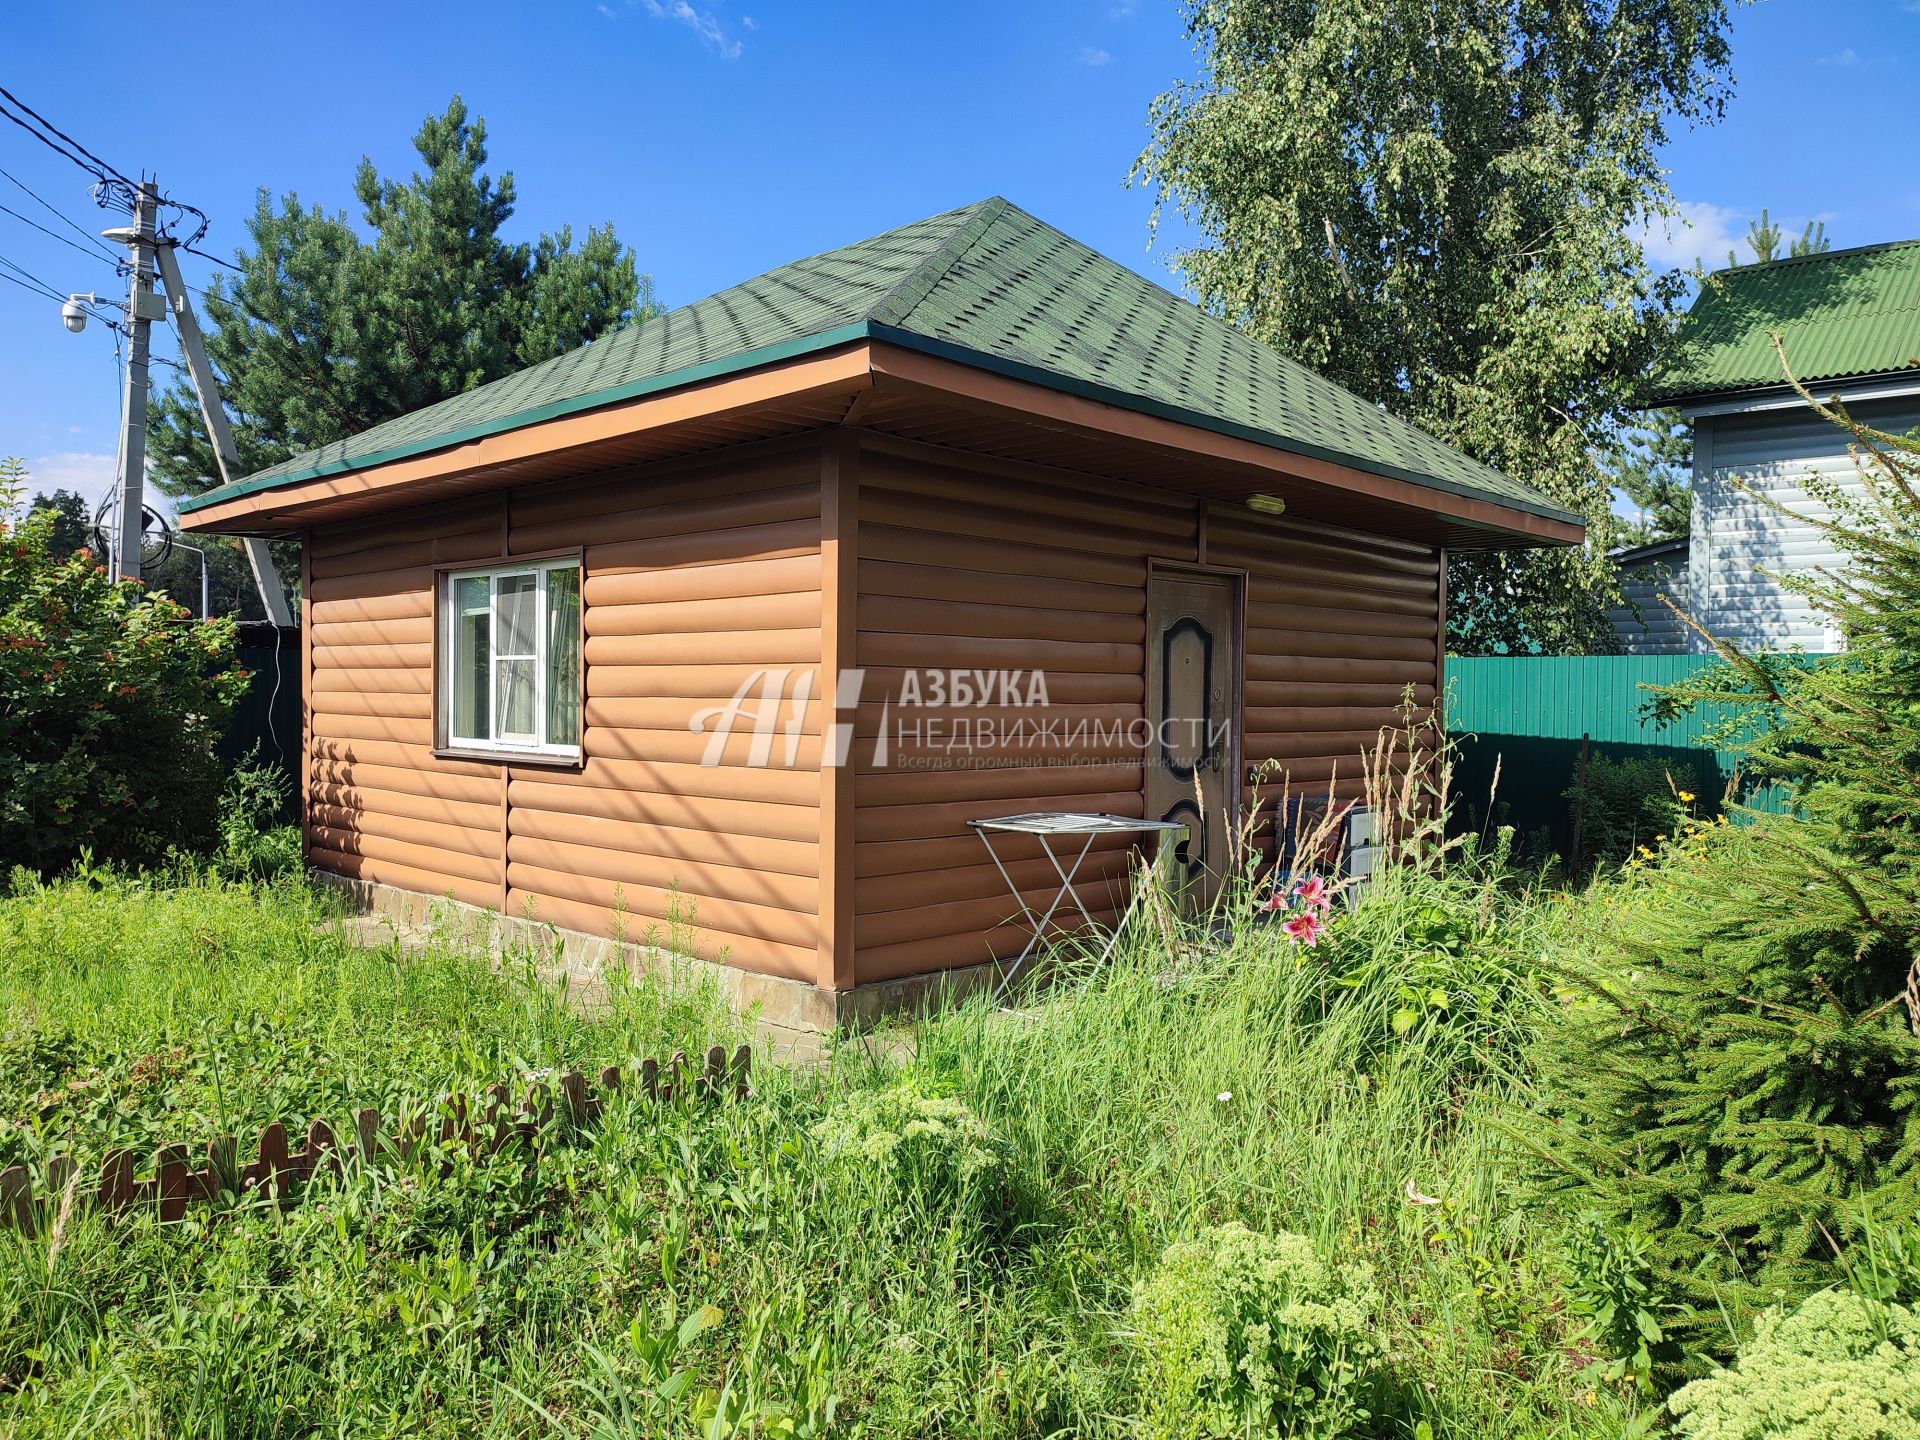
[(910, 289)]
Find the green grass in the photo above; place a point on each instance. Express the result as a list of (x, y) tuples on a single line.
[(719, 1269)]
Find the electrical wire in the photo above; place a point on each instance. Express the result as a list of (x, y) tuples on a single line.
[(94, 240), (37, 282), (55, 235), (101, 168), (227, 264), (111, 188), (32, 285)]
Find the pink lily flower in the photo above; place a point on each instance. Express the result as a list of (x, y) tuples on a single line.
[(1313, 890), (1304, 928), (1275, 901)]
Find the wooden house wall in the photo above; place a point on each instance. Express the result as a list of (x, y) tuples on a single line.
[(695, 577), (698, 576), (967, 564)]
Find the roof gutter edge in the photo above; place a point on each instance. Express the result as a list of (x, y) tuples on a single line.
[(520, 420)]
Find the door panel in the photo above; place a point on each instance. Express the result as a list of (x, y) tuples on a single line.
[(1193, 706)]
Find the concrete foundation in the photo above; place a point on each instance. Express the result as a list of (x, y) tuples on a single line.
[(790, 1009)]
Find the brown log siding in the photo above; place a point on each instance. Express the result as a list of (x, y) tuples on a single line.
[(698, 575), (967, 563), (694, 579)]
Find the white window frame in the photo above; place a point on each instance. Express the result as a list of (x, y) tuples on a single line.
[(446, 618)]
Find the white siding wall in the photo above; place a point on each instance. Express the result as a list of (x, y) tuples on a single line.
[(1736, 537)]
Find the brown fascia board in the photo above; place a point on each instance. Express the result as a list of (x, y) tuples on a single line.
[(1238, 466), (280, 511)]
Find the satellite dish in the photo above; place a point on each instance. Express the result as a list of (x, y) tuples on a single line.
[(156, 534)]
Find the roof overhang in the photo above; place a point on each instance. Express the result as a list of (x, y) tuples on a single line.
[(1848, 389), (894, 385)]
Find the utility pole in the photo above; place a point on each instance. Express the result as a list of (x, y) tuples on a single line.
[(143, 308), (266, 576), (146, 249)]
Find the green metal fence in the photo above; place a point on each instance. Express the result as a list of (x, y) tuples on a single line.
[(266, 722), (1532, 717)]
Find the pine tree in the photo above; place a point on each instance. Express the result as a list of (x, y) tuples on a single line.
[(1764, 237), (1736, 1069), (323, 333), (1652, 467)]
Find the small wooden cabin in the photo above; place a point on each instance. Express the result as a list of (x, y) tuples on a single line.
[(577, 643)]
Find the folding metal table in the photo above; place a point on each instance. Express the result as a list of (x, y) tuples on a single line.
[(1047, 827)]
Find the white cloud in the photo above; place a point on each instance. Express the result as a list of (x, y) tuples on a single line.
[(1095, 57), (1844, 59), (1700, 232), (1123, 10), (81, 471), (608, 11), (747, 22), (702, 22)]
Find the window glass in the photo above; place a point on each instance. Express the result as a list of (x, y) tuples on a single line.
[(511, 641), (470, 680), (563, 657)]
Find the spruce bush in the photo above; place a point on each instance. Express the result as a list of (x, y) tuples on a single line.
[(1734, 1067)]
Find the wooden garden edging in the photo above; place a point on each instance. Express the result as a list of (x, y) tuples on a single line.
[(174, 1184)]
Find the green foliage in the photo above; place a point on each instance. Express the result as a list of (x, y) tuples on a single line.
[(1737, 1068), (71, 521), (910, 1155), (252, 845), (1838, 1367), (1724, 1073), (728, 1269), (1651, 463), (111, 701), (324, 333), (1246, 1334), (1436, 206), (1628, 805), (1764, 237), (1614, 1287)]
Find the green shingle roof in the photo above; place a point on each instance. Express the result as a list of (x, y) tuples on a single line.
[(987, 285), (1843, 313)]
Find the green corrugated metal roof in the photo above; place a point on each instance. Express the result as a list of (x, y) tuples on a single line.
[(1840, 314), (987, 285)]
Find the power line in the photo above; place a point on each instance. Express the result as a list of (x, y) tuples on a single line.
[(40, 284), (61, 216), (109, 182), (55, 235), (102, 171), (35, 287), (224, 264)]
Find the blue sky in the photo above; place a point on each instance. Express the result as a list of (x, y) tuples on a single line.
[(726, 136)]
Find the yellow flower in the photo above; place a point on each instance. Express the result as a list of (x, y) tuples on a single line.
[(1658, 838), (1686, 797)]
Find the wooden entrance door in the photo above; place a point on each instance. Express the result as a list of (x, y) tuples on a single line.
[(1193, 707)]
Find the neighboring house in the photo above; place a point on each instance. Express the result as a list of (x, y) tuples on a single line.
[(1850, 322), (1651, 575), (592, 642)]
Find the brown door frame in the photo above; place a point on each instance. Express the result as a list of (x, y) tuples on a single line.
[(1236, 579)]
